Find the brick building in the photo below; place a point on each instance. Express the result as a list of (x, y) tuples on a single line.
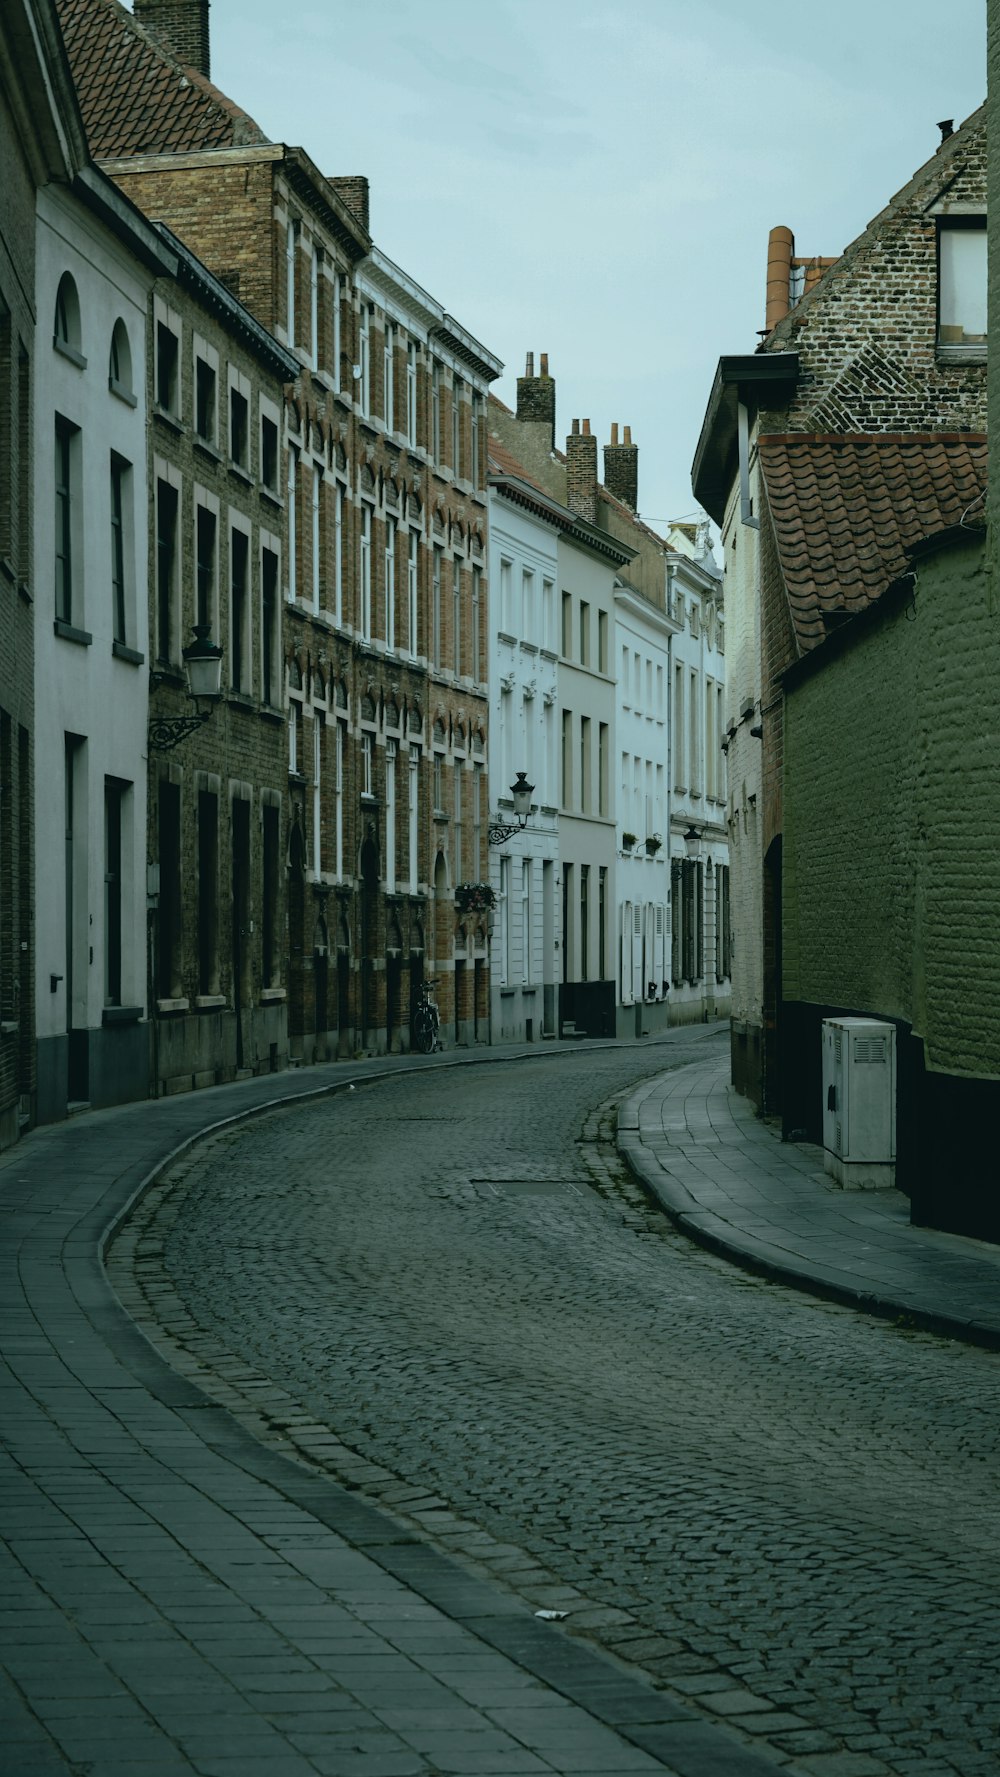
[(217, 820), (887, 339), (384, 473)]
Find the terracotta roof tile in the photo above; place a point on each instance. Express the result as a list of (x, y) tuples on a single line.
[(846, 507), (135, 98)]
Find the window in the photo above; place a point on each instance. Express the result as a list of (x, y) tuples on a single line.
[(602, 923), (315, 274), (602, 768), (438, 786), (680, 775), (294, 717), (121, 576), (66, 332), (548, 593), (411, 392), (316, 533), (338, 800), (114, 796), (567, 757), (269, 638), (366, 360), (166, 570), (506, 613), (205, 400), (694, 773), (962, 283), (167, 361), (269, 896), (368, 765), (239, 428), (527, 605), (412, 805), (477, 819), (291, 503), (456, 824), (456, 617), (120, 364), (67, 470), (526, 921), (269, 453), (436, 411), (338, 298), (317, 795), (338, 554), (477, 621), (388, 377), (291, 250), (474, 441), (390, 816), (504, 921), (365, 615), (584, 922), (585, 786), (390, 583), (208, 892), (411, 593), (436, 609), (456, 425), (171, 905), (239, 613), (584, 633), (205, 546), (567, 624)]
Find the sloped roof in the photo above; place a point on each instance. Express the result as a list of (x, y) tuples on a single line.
[(503, 462), (135, 98), (846, 508)]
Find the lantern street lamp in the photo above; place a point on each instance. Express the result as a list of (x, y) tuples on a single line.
[(692, 843), (203, 664), (521, 791)]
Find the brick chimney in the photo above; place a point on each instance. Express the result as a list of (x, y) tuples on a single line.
[(621, 468), (180, 27), (581, 472), (353, 189), (536, 396)]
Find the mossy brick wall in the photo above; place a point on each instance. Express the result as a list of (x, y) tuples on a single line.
[(892, 821), (993, 116)]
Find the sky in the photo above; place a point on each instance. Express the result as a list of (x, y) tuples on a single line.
[(598, 180)]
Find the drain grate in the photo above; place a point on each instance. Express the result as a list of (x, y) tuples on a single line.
[(528, 1187)]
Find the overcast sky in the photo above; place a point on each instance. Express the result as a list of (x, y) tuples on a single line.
[(597, 180)]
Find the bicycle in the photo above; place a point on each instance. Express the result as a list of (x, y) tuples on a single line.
[(426, 1021)]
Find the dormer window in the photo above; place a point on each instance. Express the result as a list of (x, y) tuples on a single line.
[(962, 285)]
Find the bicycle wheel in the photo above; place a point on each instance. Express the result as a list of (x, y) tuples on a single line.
[(423, 1030)]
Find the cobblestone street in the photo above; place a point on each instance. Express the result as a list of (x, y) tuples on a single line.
[(444, 1289)]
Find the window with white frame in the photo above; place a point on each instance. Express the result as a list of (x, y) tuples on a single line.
[(270, 635), (239, 609), (317, 794), (239, 420), (962, 283), (456, 822), (291, 253), (365, 348), (680, 730), (206, 562), (168, 358), (457, 387), (391, 750), (527, 605), (412, 811), (167, 562), (390, 583), (474, 417), (503, 922), (294, 718), (477, 818), (412, 587), (548, 618), (291, 508), (338, 553), (526, 921), (456, 617), (505, 615), (317, 532), (436, 608), (436, 379), (602, 641), (365, 614), (269, 448), (315, 277), (477, 621), (338, 299), (122, 552), (368, 764), (437, 776), (389, 377), (206, 392), (411, 392), (338, 799), (694, 762)]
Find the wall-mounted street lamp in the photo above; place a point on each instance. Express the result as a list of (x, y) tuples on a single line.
[(521, 791), (203, 664), (692, 843)]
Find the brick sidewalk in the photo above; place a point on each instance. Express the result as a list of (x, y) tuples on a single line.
[(726, 1178)]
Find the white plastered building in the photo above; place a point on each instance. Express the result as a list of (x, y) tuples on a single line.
[(642, 654)]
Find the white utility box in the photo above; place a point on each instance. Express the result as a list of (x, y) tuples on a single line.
[(859, 1102)]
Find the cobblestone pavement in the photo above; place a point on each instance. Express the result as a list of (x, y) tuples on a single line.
[(443, 1289)]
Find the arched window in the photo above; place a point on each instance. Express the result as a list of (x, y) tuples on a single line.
[(66, 337), (120, 363)]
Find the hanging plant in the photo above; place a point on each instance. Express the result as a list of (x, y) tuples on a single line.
[(475, 897), (628, 840), (653, 844)]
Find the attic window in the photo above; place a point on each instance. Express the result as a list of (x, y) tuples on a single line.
[(962, 285)]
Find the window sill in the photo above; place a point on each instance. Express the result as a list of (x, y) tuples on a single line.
[(206, 448), (172, 420), (9, 1027), (240, 473), (298, 778), (272, 996), (960, 354), (269, 494), (242, 700), (167, 675), (122, 393), (69, 633), (131, 655), (173, 1005), (209, 1002), (368, 800), (270, 714), (121, 1015), (65, 350)]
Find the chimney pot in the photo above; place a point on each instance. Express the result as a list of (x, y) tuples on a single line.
[(529, 364), (628, 435), (545, 364), (576, 428), (947, 128), (780, 247), (614, 431), (586, 428)]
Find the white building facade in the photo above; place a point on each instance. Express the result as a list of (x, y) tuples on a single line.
[(96, 260), (700, 964), (642, 653)]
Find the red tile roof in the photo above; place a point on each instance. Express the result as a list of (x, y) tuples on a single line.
[(135, 98), (846, 508)]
